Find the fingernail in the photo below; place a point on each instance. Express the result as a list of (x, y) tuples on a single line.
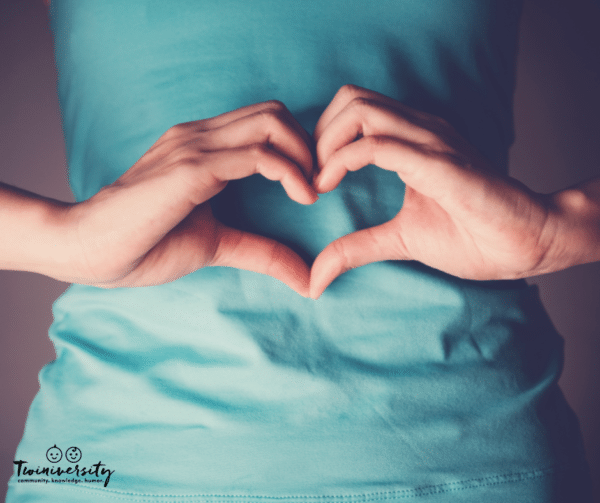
[(318, 183)]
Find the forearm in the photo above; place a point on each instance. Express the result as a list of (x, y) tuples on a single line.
[(35, 235), (574, 227)]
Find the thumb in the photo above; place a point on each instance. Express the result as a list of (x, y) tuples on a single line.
[(244, 250), (375, 244)]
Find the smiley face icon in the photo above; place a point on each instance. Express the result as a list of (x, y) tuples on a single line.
[(73, 454), (54, 454)]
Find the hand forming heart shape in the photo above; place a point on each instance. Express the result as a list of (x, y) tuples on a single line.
[(457, 215), (155, 224)]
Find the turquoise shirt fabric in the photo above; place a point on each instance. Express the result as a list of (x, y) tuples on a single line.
[(399, 383)]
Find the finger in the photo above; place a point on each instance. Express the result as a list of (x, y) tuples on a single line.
[(233, 115), (442, 177), (374, 244), (343, 97), (250, 252), (268, 126), (269, 112), (354, 156), (216, 168), (366, 117)]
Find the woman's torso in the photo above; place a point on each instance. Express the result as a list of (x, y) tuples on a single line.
[(400, 381)]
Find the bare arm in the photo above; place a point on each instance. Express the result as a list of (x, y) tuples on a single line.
[(35, 234), (576, 215)]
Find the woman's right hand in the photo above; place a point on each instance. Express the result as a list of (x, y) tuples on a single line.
[(154, 224)]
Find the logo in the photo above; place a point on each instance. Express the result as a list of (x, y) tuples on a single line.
[(73, 454), (67, 472), (54, 454)]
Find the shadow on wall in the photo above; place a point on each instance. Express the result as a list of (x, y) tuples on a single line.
[(557, 130)]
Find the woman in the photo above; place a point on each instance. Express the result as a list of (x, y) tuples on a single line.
[(399, 381)]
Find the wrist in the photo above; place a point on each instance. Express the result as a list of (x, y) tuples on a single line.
[(35, 234), (574, 226)]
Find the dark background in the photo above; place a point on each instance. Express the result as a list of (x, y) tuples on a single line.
[(558, 144)]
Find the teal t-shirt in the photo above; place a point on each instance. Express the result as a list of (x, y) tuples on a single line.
[(399, 383)]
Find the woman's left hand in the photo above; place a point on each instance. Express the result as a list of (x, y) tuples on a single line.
[(458, 215)]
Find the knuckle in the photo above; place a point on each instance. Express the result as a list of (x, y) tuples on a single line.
[(363, 108), (276, 105), (374, 143), (186, 162), (169, 134), (360, 104), (276, 258), (398, 245), (207, 138), (259, 150), (272, 118), (349, 92), (177, 130), (342, 256), (182, 154), (432, 141)]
